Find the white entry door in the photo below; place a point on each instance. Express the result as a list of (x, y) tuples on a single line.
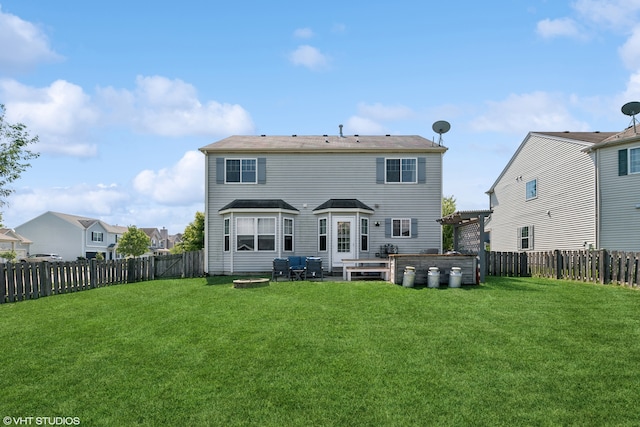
[(343, 236)]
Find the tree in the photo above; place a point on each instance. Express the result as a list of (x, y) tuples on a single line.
[(134, 242), (14, 155), (448, 207), (193, 236)]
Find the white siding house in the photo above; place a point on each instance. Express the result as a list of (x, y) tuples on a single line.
[(545, 198), (335, 197), (617, 160), (71, 236)]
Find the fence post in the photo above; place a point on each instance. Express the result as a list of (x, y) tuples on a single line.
[(558, 263), (605, 267), (131, 270)]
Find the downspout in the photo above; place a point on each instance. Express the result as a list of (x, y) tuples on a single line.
[(598, 197)]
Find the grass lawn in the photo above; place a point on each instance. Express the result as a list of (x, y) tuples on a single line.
[(182, 352)]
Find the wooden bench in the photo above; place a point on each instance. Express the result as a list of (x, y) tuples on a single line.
[(351, 266)]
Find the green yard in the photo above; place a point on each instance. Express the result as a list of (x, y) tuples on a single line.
[(182, 352)]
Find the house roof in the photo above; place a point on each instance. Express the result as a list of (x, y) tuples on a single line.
[(323, 144), (257, 204), (586, 139), (630, 134), (343, 204), (85, 222), (10, 235)]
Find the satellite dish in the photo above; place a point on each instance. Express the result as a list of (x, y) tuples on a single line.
[(631, 109), (441, 127)]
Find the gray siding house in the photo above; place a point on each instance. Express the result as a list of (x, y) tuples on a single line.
[(335, 197), (617, 179), (545, 198)]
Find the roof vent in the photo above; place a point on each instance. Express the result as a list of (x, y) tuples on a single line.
[(294, 135), (263, 135), (341, 135), (387, 135)]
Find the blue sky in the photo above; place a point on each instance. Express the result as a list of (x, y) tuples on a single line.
[(122, 94)]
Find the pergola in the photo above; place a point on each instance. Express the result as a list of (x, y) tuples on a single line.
[(468, 233)]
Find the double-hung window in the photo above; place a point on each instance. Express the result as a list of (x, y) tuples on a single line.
[(97, 236), (227, 235), (364, 234), (242, 171), (401, 170), (322, 234), (401, 227), (287, 234), (525, 238)]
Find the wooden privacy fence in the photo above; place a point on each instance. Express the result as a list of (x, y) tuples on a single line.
[(600, 266), (27, 280)]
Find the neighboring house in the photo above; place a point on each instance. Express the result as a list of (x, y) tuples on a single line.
[(545, 198), (12, 241), (71, 236), (336, 197), (156, 241), (617, 180)]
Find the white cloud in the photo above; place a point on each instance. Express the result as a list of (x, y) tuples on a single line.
[(630, 50), (165, 107), (563, 27), (60, 114), (81, 199), (363, 125), (303, 33), (379, 111), (309, 57), (536, 111), (615, 14), (28, 44), (180, 184)]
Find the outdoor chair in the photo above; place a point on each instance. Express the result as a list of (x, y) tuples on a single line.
[(280, 269), (313, 269)]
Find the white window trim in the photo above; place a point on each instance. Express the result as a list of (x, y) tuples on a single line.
[(256, 234), (415, 181), (630, 172), (241, 159), (284, 234), (401, 220)]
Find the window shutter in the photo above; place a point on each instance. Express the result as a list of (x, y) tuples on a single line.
[(380, 170), (519, 238), (262, 170), (414, 228), (622, 162), (422, 170), (219, 170), (387, 227)]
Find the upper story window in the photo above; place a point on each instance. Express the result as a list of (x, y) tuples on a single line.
[(241, 171), (532, 189), (628, 161), (401, 170), (97, 236)]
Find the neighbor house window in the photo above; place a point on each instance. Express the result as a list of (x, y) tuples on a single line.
[(532, 189), (401, 170), (256, 234), (322, 234), (401, 227), (241, 170), (227, 235), (525, 238), (97, 236), (364, 234), (287, 234)]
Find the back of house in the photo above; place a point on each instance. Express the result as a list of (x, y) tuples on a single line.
[(334, 197)]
